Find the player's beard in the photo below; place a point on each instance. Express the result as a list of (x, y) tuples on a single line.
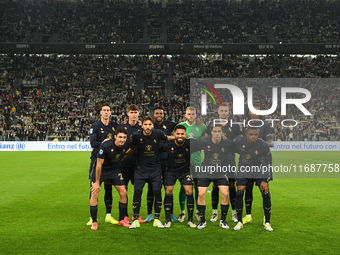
[(179, 141)]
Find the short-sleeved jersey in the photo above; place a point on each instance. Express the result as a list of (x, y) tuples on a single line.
[(266, 132), (253, 155), (148, 150), (130, 129), (167, 127), (231, 133), (194, 131), (112, 156), (98, 133), (178, 156), (214, 154)]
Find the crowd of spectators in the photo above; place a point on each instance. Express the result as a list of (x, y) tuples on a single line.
[(189, 21), (213, 22), (67, 104), (305, 21)]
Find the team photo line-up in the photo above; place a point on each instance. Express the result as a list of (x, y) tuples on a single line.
[(160, 152)]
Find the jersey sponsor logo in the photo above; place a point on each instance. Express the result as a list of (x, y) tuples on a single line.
[(101, 152), (148, 147), (109, 135), (230, 129), (222, 149), (256, 152), (154, 140), (180, 155), (186, 149), (117, 156), (91, 131), (247, 156), (113, 129), (164, 126), (191, 135), (215, 155)]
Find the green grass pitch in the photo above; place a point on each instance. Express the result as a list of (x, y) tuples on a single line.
[(44, 208)]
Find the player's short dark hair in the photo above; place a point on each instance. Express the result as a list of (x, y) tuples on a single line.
[(157, 108), (252, 128), (132, 107), (180, 127), (216, 125), (121, 130), (148, 117), (105, 104)]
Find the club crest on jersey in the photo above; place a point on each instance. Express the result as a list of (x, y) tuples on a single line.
[(141, 139), (208, 148), (101, 128), (125, 127), (172, 149), (112, 150), (243, 146)]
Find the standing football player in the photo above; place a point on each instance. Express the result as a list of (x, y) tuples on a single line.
[(99, 131)]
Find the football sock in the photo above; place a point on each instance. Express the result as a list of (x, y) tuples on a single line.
[(137, 198), (196, 194), (168, 201), (190, 206), (267, 205), (158, 201), (122, 210), (149, 198), (215, 197), (108, 197), (201, 210), (224, 211), (232, 195), (182, 197), (248, 198), (93, 212), (239, 204)]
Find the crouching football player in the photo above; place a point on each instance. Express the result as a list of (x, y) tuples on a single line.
[(109, 168)]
